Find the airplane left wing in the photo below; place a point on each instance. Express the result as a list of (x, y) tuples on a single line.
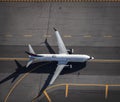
[(58, 70), (61, 45)]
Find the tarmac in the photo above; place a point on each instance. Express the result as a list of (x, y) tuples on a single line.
[(88, 27)]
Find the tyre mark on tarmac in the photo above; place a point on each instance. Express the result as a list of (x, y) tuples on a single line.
[(16, 84)]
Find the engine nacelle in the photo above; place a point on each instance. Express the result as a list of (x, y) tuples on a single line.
[(70, 66), (70, 51)]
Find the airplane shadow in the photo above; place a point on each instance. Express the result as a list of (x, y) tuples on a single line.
[(22, 69), (47, 68), (75, 67), (50, 49), (19, 70)]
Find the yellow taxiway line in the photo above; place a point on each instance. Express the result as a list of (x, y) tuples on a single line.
[(26, 59), (106, 91), (47, 96), (105, 60), (12, 59), (66, 91), (21, 78), (70, 84)]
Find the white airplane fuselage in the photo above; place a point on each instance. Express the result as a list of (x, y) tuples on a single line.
[(62, 57)]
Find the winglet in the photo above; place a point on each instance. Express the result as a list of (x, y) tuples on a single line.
[(55, 29)]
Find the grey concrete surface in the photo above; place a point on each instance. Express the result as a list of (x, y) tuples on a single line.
[(99, 21), (84, 96), (91, 68), (90, 28), (98, 52), (32, 84), (93, 73)]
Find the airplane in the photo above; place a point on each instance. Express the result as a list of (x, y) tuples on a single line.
[(63, 57)]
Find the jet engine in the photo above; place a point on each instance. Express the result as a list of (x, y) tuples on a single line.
[(70, 51)]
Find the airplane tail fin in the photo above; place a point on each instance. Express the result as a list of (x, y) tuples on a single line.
[(31, 49), (30, 56)]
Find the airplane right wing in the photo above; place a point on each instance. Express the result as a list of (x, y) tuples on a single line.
[(58, 70), (61, 45)]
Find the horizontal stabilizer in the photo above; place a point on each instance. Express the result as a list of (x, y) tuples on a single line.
[(55, 29), (31, 49), (19, 66)]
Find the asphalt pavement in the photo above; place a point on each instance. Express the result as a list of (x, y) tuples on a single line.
[(88, 27)]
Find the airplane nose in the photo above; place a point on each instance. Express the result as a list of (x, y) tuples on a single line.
[(91, 57)]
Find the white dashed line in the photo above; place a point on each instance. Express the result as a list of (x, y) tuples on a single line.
[(46, 36), (67, 36), (8, 35), (27, 35), (107, 36), (87, 36)]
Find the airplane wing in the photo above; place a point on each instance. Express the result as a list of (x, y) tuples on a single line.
[(61, 45), (59, 68)]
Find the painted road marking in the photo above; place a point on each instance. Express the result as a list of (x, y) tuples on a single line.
[(67, 36), (107, 36), (8, 35), (26, 59), (46, 36), (47, 96), (70, 84), (105, 60), (87, 36), (66, 91), (106, 91), (27, 35), (12, 59), (21, 78)]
